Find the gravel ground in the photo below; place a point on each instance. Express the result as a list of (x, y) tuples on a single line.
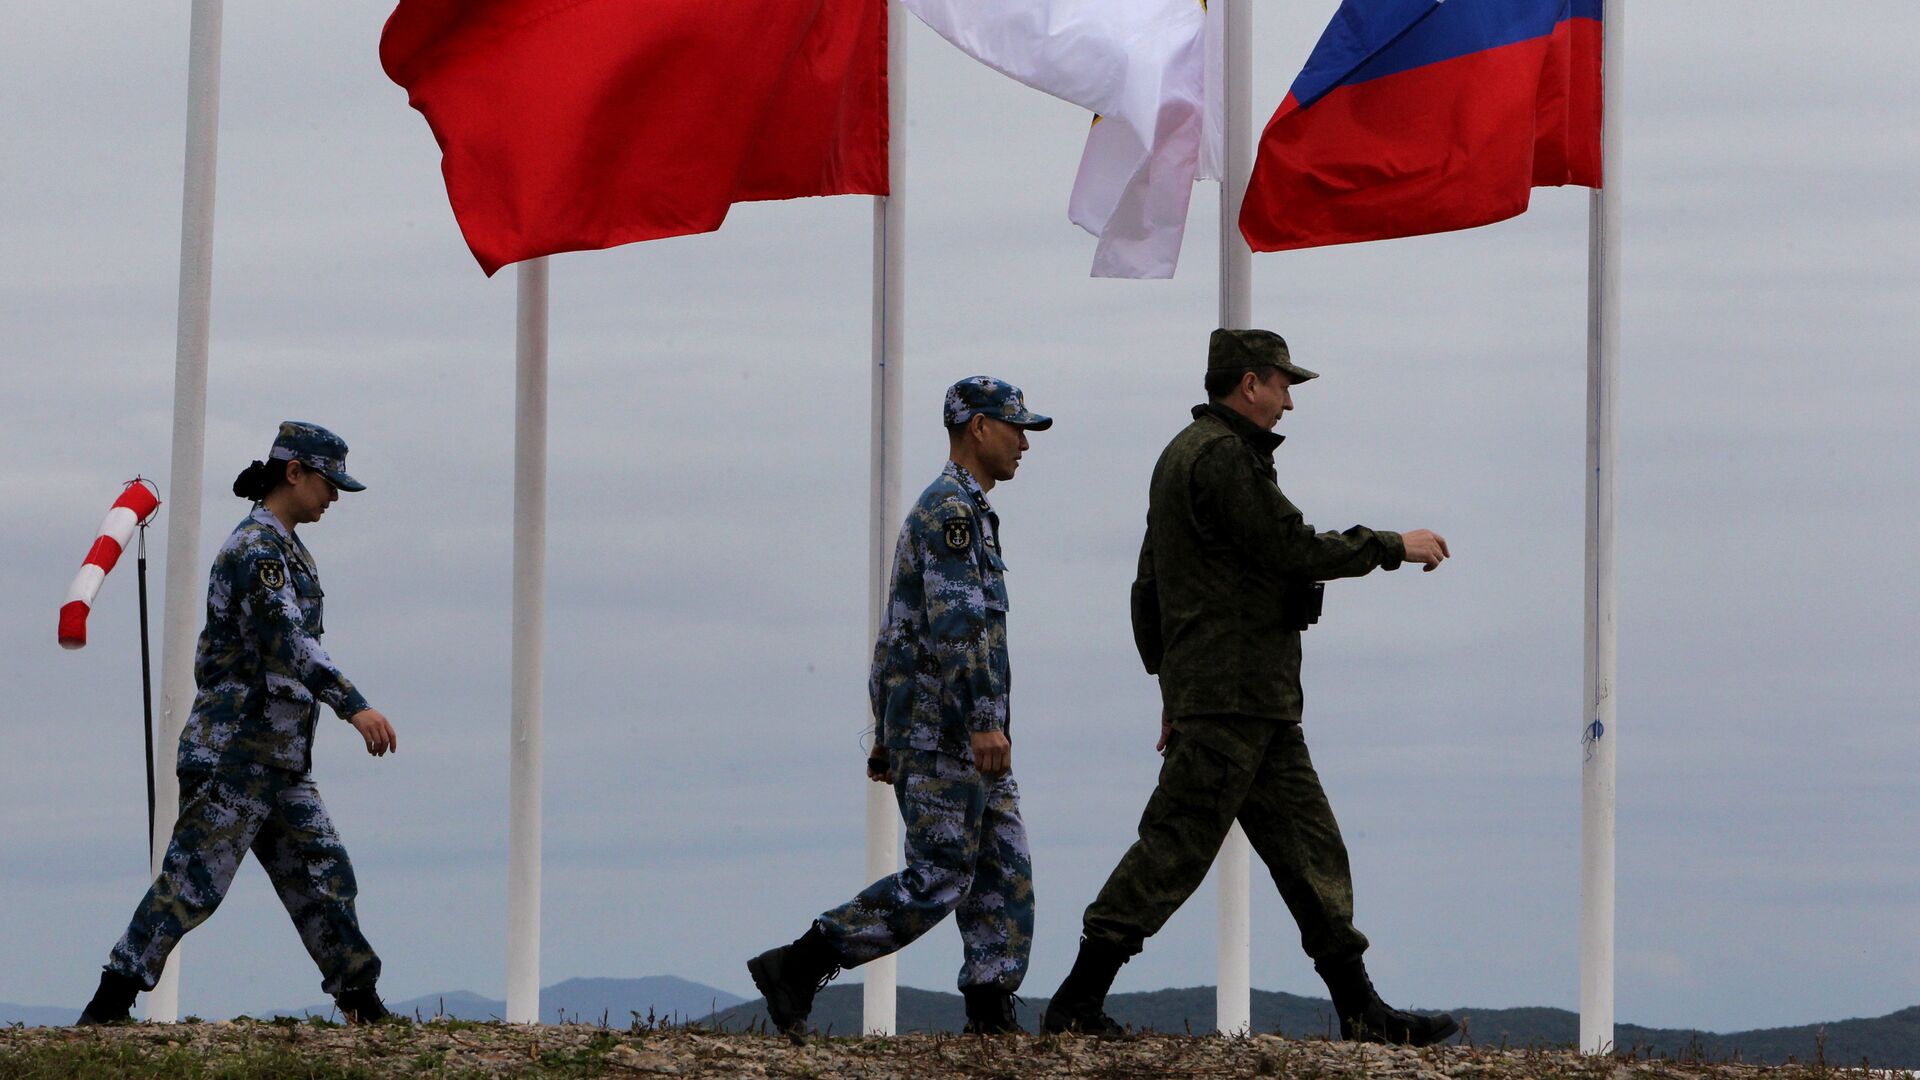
[(244, 1049)]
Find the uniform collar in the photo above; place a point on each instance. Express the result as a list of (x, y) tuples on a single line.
[(959, 474), (265, 517), (1258, 437)]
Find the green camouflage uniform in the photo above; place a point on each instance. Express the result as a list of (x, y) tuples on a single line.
[(247, 748), (1223, 568)]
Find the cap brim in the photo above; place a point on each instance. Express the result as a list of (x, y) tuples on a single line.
[(1032, 421), (343, 481), (1297, 373)]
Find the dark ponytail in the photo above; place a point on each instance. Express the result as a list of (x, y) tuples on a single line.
[(259, 478)]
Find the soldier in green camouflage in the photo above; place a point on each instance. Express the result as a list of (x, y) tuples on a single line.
[(939, 692), (247, 748), (1229, 576)]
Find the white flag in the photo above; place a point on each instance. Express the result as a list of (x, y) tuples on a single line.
[(1144, 67)]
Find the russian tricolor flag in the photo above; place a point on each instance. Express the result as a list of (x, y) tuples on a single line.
[(1421, 116)]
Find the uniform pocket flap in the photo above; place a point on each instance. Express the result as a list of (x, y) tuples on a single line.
[(285, 686)]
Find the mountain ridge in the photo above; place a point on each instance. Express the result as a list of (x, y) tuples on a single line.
[(1890, 1041), (617, 1002)]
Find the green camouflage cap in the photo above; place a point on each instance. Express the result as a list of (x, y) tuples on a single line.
[(983, 395), (1246, 350), (318, 449)]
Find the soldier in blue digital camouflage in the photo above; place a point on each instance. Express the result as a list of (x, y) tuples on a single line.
[(939, 694), (247, 748)]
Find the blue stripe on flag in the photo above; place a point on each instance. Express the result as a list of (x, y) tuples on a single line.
[(1371, 39)]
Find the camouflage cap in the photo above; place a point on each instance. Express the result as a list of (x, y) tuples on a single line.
[(1246, 350), (983, 395), (318, 449)]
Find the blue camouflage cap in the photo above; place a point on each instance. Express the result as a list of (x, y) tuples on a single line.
[(983, 395), (318, 449)]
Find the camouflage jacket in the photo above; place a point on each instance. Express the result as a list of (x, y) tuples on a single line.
[(260, 670), (940, 664), (1224, 554)]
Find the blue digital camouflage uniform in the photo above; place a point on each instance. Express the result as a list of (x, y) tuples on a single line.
[(261, 672), (940, 673), (246, 751), (278, 816)]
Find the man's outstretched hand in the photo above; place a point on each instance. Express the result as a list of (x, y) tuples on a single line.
[(1426, 547)]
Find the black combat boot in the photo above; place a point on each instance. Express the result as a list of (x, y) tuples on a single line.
[(1365, 1018), (990, 1011), (1079, 1004), (361, 1006), (789, 976), (111, 1002)]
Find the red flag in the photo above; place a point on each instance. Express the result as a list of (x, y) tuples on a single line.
[(568, 125)]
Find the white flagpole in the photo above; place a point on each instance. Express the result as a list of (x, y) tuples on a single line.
[(1233, 992), (883, 506), (1599, 734), (182, 601), (529, 636)]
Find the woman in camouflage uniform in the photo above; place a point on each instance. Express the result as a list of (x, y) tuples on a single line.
[(246, 752)]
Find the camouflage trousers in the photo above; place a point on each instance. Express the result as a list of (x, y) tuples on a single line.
[(966, 854), (279, 817), (1219, 769)]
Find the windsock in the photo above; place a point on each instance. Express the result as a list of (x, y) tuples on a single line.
[(134, 507)]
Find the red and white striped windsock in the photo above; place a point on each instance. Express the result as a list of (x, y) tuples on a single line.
[(135, 506)]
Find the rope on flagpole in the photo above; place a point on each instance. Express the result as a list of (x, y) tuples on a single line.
[(1599, 734)]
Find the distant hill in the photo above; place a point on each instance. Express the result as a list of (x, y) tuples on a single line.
[(37, 1015), (1174, 1011), (664, 997), (1891, 1041)]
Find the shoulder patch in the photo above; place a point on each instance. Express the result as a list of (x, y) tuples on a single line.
[(272, 574), (958, 532)]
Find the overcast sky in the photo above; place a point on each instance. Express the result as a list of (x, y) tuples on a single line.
[(706, 631)]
